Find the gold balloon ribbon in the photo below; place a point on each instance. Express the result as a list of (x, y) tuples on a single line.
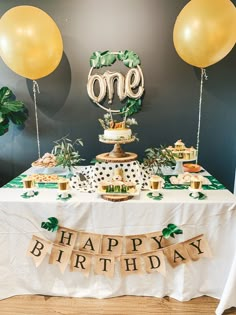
[(203, 76), (36, 90)]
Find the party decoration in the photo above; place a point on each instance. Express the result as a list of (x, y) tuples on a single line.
[(27, 195), (155, 196), (66, 152), (51, 224), (63, 198), (130, 86), (81, 250), (204, 31), (171, 230), (199, 196), (10, 110), (30, 42)]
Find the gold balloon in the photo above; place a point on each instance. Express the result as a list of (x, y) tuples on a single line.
[(205, 31), (30, 42)]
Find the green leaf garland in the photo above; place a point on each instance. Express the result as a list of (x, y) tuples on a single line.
[(130, 60)]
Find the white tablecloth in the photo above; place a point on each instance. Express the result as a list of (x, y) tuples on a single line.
[(215, 217)]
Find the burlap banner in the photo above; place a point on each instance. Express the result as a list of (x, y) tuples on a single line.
[(135, 254)]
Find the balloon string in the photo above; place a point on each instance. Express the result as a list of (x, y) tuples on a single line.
[(203, 76), (36, 90)]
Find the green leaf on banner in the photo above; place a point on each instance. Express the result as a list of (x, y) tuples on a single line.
[(171, 230), (51, 225)]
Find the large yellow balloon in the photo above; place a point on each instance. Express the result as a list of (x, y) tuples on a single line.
[(205, 31), (30, 42)]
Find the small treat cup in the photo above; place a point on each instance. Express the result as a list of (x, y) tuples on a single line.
[(63, 187), (104, 186), (118, 174), (186, 155), (195, 183), (29, 185), (131, 187), (179, 145), (156, 183)]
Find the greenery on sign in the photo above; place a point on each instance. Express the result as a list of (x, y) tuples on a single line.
[(50, 225), (171, 230), (10, 110), (131, 107), (131, 60), (66, 152), (107, 58), (156, 158)]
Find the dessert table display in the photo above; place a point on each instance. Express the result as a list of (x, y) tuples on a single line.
[(213, 216), (115, 228)]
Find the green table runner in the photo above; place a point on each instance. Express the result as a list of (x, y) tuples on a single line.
[(215, 184), (17, 183)]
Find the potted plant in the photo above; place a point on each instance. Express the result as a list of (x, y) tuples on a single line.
[(10, 110), (157, 158), (66, 152)]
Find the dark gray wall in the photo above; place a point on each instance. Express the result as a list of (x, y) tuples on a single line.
[(170, 104)]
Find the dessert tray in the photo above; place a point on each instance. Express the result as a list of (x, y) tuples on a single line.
[(133, 193), (45, 178), (184, 179)]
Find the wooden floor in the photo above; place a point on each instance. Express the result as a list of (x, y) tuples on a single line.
[(126, 305)]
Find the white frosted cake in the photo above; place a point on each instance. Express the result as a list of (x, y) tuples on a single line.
[(117, 134)]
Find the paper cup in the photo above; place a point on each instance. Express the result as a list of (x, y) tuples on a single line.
[(195, 183), (63, 184), (28, 183), (156, 182)]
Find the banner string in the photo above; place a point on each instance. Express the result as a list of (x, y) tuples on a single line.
[(203, 76), (35, 91)]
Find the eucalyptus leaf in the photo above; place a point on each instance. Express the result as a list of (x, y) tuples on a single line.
[(66, 152)]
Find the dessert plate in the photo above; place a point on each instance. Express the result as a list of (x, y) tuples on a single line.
[(192, 168), (184, 180)]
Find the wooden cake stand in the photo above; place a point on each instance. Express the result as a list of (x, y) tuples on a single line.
[(117, 155), (116, 198)]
